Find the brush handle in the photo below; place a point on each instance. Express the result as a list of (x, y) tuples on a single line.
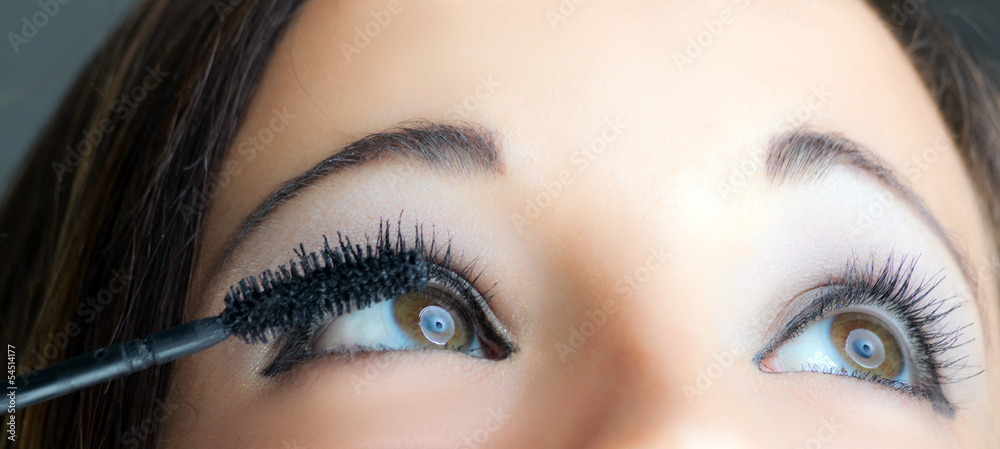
[(116, 361)]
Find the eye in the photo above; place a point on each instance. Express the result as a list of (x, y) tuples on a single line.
[(856, 343), (450, 314), (880, 322)]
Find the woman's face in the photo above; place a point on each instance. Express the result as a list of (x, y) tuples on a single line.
[(678, 251)]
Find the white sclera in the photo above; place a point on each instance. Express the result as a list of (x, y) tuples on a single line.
[(437, 324)]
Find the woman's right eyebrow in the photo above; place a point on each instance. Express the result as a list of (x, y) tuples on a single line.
[(458, 149)]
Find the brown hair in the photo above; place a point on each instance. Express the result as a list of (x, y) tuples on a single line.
[(97, 252), (967, 97)]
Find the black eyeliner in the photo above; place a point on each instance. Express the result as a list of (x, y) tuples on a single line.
[(895, 289), (442, 269)]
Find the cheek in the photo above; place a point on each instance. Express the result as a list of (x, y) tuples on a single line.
[(206, 388), (415, 399), (404, 400)]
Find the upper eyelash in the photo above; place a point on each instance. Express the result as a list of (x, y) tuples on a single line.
[(292, 346), (895, 289)]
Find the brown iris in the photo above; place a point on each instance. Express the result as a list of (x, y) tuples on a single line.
[(431, 318), (867, 344)]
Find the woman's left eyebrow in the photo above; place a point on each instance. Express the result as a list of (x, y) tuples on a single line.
[(805, 155), (459, 149)]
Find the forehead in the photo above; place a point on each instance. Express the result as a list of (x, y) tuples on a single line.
[(687, 90), (690, 75)]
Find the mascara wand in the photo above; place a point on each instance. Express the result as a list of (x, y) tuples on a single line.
[(331, 282)]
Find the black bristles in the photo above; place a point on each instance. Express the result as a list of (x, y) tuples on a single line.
[(332, 281)]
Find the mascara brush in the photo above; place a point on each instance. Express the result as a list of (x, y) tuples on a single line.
[(332, 282)]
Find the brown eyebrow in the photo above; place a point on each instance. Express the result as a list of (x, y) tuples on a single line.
[(464, 148), (454, 149), (803, 155)]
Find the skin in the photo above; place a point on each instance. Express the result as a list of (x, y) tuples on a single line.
[(672, 365)]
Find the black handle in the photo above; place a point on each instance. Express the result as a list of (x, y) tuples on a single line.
[(116, 361)]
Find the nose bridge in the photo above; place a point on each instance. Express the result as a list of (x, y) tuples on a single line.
[(643, 305), (671, 386)]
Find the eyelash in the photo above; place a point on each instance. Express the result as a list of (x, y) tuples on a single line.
[(293, 348), (894, 290)]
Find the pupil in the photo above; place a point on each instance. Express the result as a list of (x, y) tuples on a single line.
[(863, 348), (867, 343), (437, 325)]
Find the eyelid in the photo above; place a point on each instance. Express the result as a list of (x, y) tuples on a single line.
[(894, 290), (444, 271), (453, 292), (478, 305), (806, 309), (795, 316), (803, 320), (892, 282)]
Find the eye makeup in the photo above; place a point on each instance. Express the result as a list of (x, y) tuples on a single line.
[(449, 314), (883, 321), (326, 282), (891, 325)]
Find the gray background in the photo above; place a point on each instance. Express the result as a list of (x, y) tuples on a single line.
[(33, 80)]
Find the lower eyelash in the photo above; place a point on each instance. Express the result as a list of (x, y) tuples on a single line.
[(896, 290), (293, 347), (879, 380)]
